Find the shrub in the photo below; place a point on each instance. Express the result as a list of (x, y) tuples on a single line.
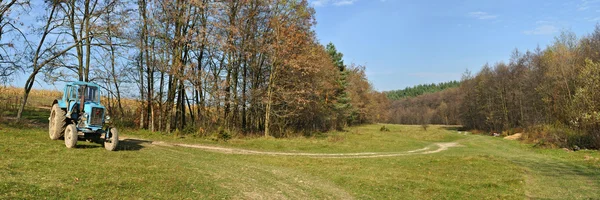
[(223, 135), (123, 123), (555, 136), (176, 133), (425, 126), (189, 129), (582, 139), (201, 132), (384, 129)]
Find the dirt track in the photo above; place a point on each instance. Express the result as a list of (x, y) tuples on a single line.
[(433, 148)]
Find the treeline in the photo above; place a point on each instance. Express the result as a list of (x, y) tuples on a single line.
[(421, 89), (432, 108), (551, 94), (253, 67), (555, 86), (426, 104)]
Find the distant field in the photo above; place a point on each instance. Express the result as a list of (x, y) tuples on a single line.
[(11, 97), (39, 102), (32, 166)]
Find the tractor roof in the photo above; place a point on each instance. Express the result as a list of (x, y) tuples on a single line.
[(83, 83)]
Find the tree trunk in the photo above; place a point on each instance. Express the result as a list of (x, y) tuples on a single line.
[(141, 73), (269, 100), (74, 34), (27, 89), (244, 98), (88, 44)]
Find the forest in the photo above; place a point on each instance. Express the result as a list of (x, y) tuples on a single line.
[(421, 89), (551, 92), (250, 67), (550, 95), (256, 67)]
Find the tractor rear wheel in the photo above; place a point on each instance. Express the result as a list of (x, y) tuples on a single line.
[(112, 141), (57, 121), (71, 136)]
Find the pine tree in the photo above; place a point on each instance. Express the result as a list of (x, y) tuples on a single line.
[(342, 104)]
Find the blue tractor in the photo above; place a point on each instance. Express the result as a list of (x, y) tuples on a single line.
[(80, 114)]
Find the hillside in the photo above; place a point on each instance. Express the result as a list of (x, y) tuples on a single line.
[(421, 89)]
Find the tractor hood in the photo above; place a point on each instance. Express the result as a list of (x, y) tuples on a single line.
[(95, 114), (88, 105)]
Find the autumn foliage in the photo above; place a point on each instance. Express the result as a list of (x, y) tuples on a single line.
[(199, 67), (549, 94)]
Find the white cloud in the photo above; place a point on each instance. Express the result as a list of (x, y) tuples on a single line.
[(482, 15), (343, 2), (320, 3), (542, 30), (543, 22), (586, 4)]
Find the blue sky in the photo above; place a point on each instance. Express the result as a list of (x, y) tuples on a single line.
[(406, 43)]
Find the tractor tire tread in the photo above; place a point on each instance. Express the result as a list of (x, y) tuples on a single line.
[(57, 124)]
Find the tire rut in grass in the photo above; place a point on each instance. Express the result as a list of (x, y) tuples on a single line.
[(256, 180), (433, 148)]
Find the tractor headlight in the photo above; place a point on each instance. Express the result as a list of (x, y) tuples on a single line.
[(84, 116), (107, 119)]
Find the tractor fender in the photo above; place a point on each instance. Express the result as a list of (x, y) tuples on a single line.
[(60, 103)]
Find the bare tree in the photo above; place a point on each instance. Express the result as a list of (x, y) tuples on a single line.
[(10, 60)]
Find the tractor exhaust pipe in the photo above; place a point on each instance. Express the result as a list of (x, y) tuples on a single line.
[(82, 98)]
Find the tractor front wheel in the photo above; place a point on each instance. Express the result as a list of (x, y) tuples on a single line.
[(57, 122), (71, 136), (112, 139)]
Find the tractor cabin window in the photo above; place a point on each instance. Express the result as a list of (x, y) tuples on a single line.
[(68, 92), (91, 94), (72, 92)]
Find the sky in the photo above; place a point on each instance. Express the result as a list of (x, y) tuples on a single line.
[(406, 43)]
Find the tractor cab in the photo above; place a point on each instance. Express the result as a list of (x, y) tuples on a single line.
[(81, 112)]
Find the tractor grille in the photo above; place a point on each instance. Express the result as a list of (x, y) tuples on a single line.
[(96, 116)]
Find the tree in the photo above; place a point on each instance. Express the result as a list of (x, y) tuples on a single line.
[(198, 66), (342, 104), (45, 53), (10, 60), (290, 23)]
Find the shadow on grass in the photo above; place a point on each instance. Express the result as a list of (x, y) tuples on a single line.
[(86, 146), (124, 145), (561, 177), (132, 144), (35, 115), (31, 118), (454, 128), (558, 169)]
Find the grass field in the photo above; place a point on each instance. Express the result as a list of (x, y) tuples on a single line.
[(32, 166)]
